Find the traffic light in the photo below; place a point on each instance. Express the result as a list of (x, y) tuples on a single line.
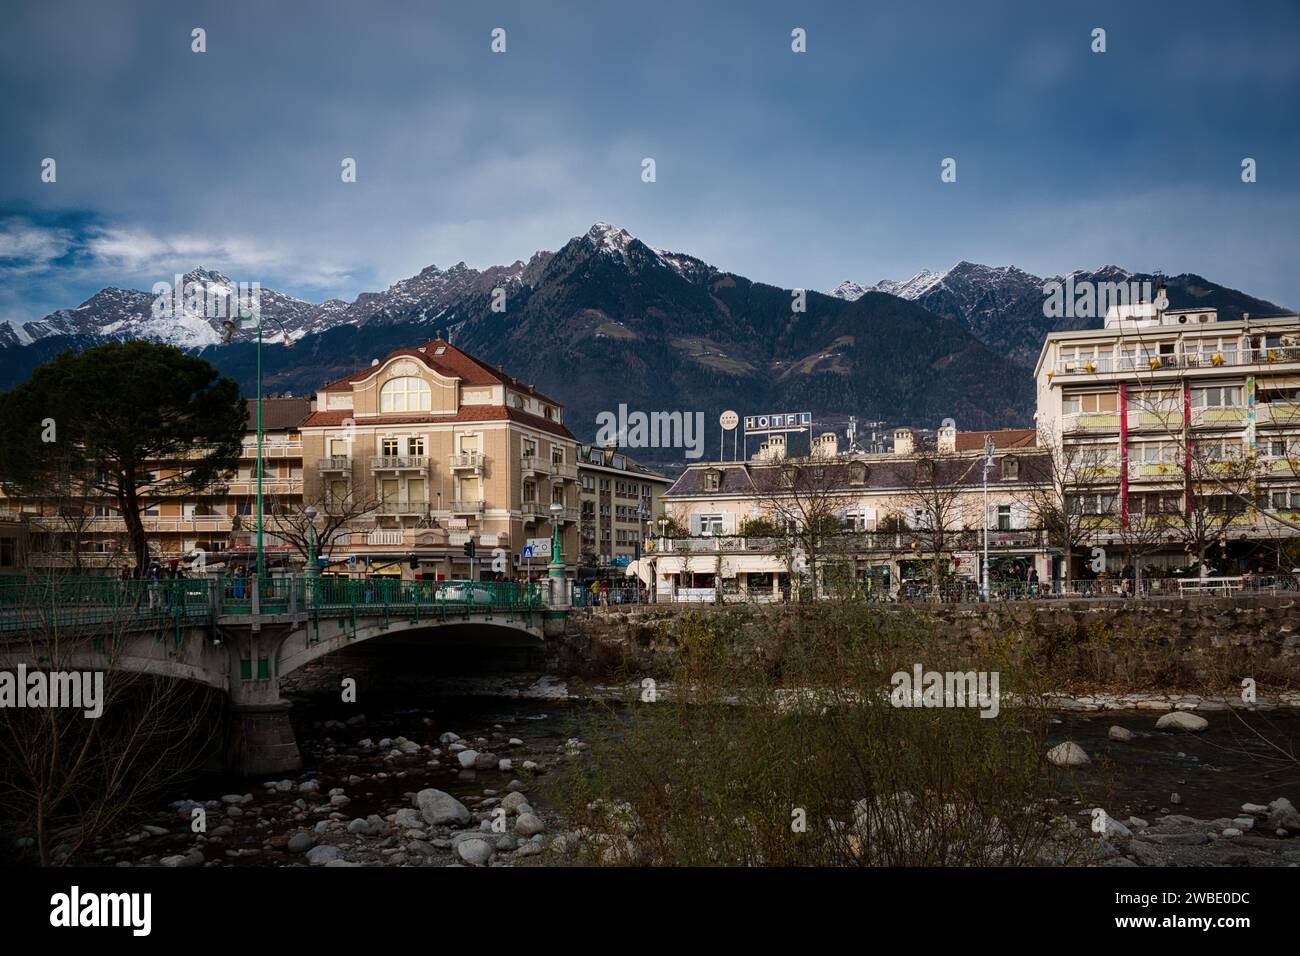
[(415, 563), (469, 548)]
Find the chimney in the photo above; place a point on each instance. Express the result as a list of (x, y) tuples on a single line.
[(903, 441), (826, 445), (947, 439)]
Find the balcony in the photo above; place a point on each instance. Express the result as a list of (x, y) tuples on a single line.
[(467, 461), (564, 471), (467, 507), (279, 449), (1180, 361), (534, 511), (399, 463), (335, 463), (404, 506), (1091, 422), (270, 486), (534, 465)]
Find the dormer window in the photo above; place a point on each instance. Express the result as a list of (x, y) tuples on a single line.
[(1010, 468), (857, 473), (406, 393), (548, 412), (712, 479), (925, 470)]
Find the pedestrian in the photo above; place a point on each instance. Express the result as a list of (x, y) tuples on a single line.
[(1033, 579)]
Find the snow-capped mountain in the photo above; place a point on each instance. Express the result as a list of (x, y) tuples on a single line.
[(1003, 305)]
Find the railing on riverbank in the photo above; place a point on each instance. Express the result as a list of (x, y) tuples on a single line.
[(66, 602)]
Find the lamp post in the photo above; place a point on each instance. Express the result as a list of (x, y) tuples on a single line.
[(228, 332), (556, 569), (313, 568), (988, 463)]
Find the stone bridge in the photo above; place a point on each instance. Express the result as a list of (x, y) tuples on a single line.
[(204, 630)]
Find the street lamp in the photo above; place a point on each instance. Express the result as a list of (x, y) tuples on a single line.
[(556, 570), (988, 463), (313, 568), (228, 331)]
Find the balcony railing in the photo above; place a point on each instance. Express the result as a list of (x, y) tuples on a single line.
[(564, 470), (404, 506), (399, 463), (1157, 362), (535, 464), (534, 510), (335, 463), (467, 507), (471, 460)]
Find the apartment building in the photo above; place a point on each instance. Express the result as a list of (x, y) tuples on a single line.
[(429, 449), (68, 530), (887, 505), (1182, 430), (619, 500)]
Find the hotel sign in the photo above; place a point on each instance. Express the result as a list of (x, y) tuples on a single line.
[(781, 422)]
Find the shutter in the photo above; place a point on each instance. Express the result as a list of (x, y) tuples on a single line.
[(1019, 515), (728, 522), (991, 517), (695, 524)]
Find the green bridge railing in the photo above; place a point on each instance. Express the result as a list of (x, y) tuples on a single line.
[(68, 602)]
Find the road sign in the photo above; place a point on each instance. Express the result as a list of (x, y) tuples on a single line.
[(527, 552), (541, 547)]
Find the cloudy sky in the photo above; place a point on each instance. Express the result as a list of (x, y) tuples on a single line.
[(796, 169)]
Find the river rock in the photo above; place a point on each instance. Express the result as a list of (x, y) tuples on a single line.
[(505, 765), (1122, 734), (475, 852), (301, 842), (485, 761), (1182, 722), (448, 738), (1068, 754), (1283, 816), (408, 819), (440, 808), (467, 758), (308, 786), (513, 801), (320, 855), (529, 824)]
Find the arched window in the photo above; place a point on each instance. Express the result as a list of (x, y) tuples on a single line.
[(405, 394)]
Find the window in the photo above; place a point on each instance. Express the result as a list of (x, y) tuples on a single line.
[(1077, 358), (1217, 449), (1153, 454), (1285, 500), (712, 480), (1216, 396), (415, 446), (388, 448), (711, 524), (925, 470), (405, 394), (1093, 403), (530, 448), (530, 491), (1004, 518), (1101, 503), (1010, 468), (1158, 402)]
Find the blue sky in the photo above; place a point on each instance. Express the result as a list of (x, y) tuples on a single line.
[(796, 169)]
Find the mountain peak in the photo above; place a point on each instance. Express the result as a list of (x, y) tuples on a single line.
[(609, 237)]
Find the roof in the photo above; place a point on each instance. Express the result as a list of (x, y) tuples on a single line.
[(1002, 438), (452, 363), (279, 413), (467, 413), (883, 473)]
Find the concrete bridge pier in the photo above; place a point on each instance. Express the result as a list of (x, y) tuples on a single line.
[(259, 734)]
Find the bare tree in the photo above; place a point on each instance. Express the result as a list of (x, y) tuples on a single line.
[(68, 779), (799, 498), (1063, 475), (934, 499), (335, 515)]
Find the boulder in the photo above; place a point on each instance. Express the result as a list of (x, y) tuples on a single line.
[(1122, 734), (1180, 721), (467, 758), (1068, 754), (475, 852), (529, 824), (1283, 816), (439, 808), (320, 855)]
